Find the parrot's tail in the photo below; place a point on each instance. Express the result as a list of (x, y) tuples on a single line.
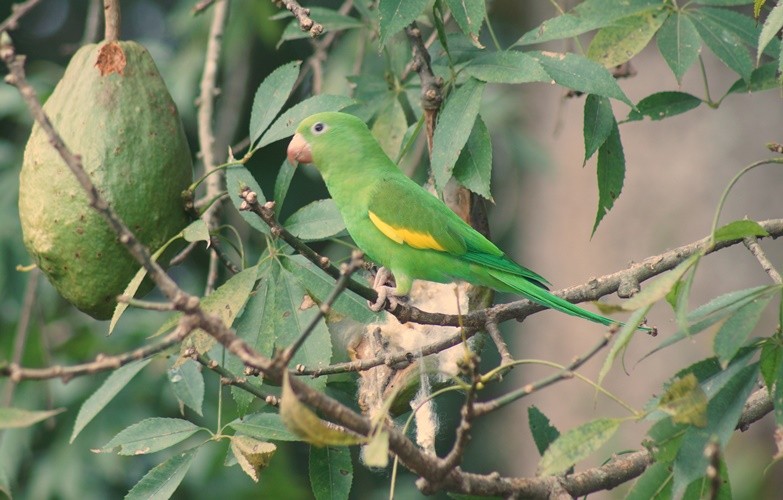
[(545, 298)]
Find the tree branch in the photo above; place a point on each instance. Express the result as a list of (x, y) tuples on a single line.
[(752, 244), (18, 10), (302, 15)]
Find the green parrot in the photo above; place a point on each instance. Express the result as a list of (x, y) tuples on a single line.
[(401, 226)]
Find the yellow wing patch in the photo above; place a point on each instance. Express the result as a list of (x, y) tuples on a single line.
[(400, 235)]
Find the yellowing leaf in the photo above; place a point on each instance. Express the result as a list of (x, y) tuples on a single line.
[(685, 401), (303, 422), (251, 454)]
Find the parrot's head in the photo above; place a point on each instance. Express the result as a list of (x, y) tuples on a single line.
[(321, 135)]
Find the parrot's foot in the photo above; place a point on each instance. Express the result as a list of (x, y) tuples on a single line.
[(384, 291)]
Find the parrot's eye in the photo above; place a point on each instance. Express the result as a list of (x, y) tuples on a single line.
[(319, 128)]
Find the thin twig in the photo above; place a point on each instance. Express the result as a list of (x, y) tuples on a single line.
[(346, 271), (102, 362), (494, 333), (18, 10), (228, 378), (566, 373), (22, 328), (206, 137), (302, 15), (201, 6), (752, 244)]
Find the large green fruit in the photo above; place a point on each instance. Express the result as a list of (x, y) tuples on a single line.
[(112, 108)]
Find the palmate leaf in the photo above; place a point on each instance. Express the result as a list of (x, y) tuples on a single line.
[(331, 472), (664, 105), (151, 435), (469, 15), (610, 172), (17, 418), (317, 221), (270, 97), (723, 412), (577, 444), (161, 481), (724, 43), (506, 67), (586, 16), (187, 381), (772, 26), (679, 43), (580, 73), (455, 123), (474, 165), (598, 123), (626, 37), (264, 426), (396, 14), (544, 433)]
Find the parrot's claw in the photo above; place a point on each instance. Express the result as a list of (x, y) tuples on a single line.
[(384, 293)]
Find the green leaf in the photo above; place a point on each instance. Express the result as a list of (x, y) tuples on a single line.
[(777, 395), (506, 67), (622, 339), (317, 221), (725, 3), (469, 15), (685, 401), (611, 173), (679, 43), (282, 183), (17, 418), (151, 435), (256, 327), (772, 25), (270, 98), (586, 16), (455, 123), (397, 14), (623, 39), (577, 444), (734, 332), (723, 412), (162, 481), (105, 393), (330, 19), (598, 123), (765, 77), (581, 74), (544, 433), (196, 231), (660, 287), (663, 105), (331, 472), (770, 361), (319, 285), (237, 177), (739, 229), (745, 27), (389, 126), (294, 310), (286, 124), (474, 165), (725, 43), (188, 384), (264, 426), (714, 311), (654, 484), (138, 278)]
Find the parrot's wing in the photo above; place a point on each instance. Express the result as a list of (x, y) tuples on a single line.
[(408, 215)]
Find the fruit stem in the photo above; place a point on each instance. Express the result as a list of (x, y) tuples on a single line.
[(111, 13)]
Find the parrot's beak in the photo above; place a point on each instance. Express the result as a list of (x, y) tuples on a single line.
[(299, 151)]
